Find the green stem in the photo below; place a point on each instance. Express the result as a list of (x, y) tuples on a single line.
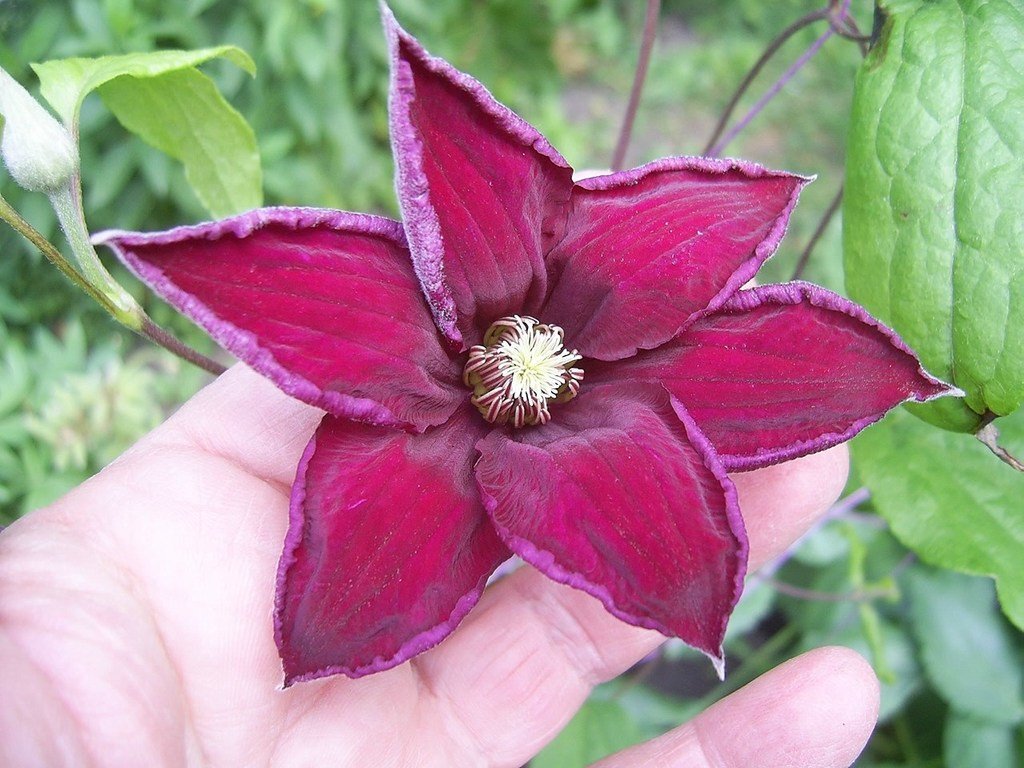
[(55, 257), (67, 204), (127, 313), (905, 737)]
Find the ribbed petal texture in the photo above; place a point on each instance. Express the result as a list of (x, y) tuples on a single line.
[(388, 547), (623, 498)]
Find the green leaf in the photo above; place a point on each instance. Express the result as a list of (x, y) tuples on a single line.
[(971, 743), (183, 114), (599, 729), (965, 648), (933, 215), (163, 98), (66, 82), (947, 499)]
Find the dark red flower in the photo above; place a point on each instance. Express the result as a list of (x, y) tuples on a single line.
[(600, 327)]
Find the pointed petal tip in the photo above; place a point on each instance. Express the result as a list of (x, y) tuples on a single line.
[(718, 662), (937, 388), (928, 388), (481, 191)]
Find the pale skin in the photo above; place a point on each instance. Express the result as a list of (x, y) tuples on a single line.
[(135, 629)]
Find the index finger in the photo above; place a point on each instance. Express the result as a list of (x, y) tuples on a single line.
[(244, 418)]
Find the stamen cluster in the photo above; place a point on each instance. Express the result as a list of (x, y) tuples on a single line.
[(519, 370)]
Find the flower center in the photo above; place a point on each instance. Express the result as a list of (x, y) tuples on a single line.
[(520, 369)]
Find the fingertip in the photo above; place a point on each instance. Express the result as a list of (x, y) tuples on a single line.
[(818, 709), (814, 711), (846, 670), (243, 417)]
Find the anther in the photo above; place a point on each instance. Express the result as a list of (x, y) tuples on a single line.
[(519, 370)]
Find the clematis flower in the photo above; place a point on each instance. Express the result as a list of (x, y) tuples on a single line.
[(564, 371)]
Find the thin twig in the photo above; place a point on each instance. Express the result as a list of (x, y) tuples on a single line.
[(848, 504), (770, 94), (643, 61), (826, 219), (856, 596), (748, 79), (172, 343), (845, 26), (989, 437), (136, 320)]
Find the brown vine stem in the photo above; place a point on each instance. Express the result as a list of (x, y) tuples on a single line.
[(639, 77), (856, 596), (989, 437), (826, 219), (134, 319), (165, 339), (771, 93), (773, 48)]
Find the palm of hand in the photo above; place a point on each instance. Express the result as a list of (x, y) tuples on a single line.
[(135, 626)]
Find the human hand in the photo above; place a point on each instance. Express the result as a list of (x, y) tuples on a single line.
[(135, 629)]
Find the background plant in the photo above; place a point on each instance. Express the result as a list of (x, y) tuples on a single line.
[(75, 390)]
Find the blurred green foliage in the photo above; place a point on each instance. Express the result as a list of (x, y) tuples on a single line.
[(75, 390)]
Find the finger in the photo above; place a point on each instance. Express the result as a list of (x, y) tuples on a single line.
[(194, 514), (815, 711), (526, 658), (243, 418)]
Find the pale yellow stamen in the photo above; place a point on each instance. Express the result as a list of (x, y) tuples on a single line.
[(520, 369)]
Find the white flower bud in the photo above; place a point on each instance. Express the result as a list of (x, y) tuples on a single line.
[(37, 150)]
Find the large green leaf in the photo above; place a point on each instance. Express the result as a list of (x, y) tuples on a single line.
[(183, 114), (163, 98), (947, 499), (966, 650), (934, 209), (66, 82), (971, 743)]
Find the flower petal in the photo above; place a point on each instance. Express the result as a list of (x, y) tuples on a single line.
[(781, 371), (324, 303), (621, 498), (483, 194), (647, 250), (388, 547)]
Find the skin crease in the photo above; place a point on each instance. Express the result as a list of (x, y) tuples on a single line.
[(135, 628)]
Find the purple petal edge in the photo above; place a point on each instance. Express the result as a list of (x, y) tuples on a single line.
[(238, 342), (513, 123), (544, 560), (412, 647), (419, 217), (713, 165), (732, 510), (797, 292)]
